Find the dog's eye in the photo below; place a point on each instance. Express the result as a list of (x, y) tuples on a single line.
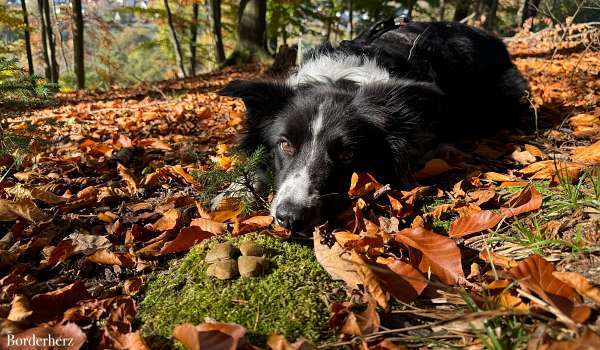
[(287, 148), (346, 156)]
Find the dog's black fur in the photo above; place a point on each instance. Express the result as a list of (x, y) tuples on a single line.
[(379, 104)]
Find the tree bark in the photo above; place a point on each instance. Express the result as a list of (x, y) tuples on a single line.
[(411, 7), (490, 19), (193, 36), (47, 65), (252, 43), (27, 37), (78, 52), (214, 8), (51, 43), (442, 9), (60, 41), (462, 10), (527, 11), (175, 41), (351, 17)]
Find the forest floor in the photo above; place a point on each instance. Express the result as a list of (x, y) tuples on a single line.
[(497, 247)]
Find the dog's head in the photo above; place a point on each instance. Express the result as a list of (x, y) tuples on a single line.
[(318, 135)]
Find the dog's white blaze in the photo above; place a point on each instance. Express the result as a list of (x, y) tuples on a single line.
[(295, 187), (327, 68)]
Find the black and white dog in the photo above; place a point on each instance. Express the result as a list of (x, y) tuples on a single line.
[(379, 103)]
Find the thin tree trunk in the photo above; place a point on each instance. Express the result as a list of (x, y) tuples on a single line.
[(527, 11), (490, 19), (44, 39), (193, 36), (214, 8), (78, 51), (27, 38), (442, 9), (462, 10), (351, 17), (60, 41), (252, 26), (51, 43), (411, 7), (175, 41)]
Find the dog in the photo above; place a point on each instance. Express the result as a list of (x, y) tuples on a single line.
[(379, 104)]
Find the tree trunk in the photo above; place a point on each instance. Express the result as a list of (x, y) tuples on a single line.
[(214, 8), (78, 52), (442, 9), (527, 11), (462, 10), (351, 17), (175, 41), (44, 40), (59, 36), (51, 43), (27, 38), (411, 7), (193, 36), (251, 45), (490, 19)]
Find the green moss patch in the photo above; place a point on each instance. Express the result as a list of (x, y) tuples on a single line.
[(290, 299)]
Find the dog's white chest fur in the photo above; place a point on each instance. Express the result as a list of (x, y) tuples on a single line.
[(335, 67)]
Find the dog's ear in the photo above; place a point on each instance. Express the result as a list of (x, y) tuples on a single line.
[(400, 101), (263, 100)]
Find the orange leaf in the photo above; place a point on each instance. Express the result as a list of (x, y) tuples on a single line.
[(211, 226), (536, 275), (278, 342), (528, 199), (168, 221), (347, 320), (187, 237), (252, 224), (213, 336), (130, 181), (580, 283), (362, 184), (433, 252), (433, 167), (51, 305), (400, 279), (106, 257), (589, 155)]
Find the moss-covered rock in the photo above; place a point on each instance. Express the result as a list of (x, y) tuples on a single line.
[(290, 299)]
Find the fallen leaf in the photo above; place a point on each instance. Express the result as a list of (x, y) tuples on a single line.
[(69, 332), (168, 221), (370, 281), (48, 306), (433, 253), (19, 309), (433, 167), (355, 318), (522, 157), (252, 224), (536, 275), (278, 342), (107, 257), (213, 336), (24, 208), (589, 155), (130, 181), (187, 238), (589, 341), (336, 260), (580, 283), (362, 184), (400, 279)]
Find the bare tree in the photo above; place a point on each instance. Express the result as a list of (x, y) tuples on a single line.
[(527, 11), (214, 8), (47, 64), (442, 9), (490, 19), (50, 40), (27, 38), (175, 41), (252, 24), (78, 51), (461, 10), (193, 37)]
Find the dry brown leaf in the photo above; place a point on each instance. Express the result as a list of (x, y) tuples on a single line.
[(433, 253), (497, 259), (336, 260), (187, 238), (497, 177), (589, 155), (535, 274), (68, 331), (131, 182), (107, 257), (24, 208), (346, 320), (432, 168), (213, 336), (278, 342), (48, 306), (211, 226), (168, 221), (252, 224), (369, 280), (589, 341), (400, 279), (362, 184), (522, 157), (19, 309), (580, 283)]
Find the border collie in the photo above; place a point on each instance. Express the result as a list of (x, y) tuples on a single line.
[(379, 103)]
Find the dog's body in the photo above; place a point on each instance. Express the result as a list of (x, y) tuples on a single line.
[(378, 103)]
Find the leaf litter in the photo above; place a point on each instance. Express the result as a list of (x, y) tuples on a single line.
[(114, 197)]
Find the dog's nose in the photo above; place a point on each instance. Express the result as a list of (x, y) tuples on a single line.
[(292, 216)]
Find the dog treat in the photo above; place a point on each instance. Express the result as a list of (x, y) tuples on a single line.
[(223, 269), (221, 251), (251, 248), (252, 266)]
